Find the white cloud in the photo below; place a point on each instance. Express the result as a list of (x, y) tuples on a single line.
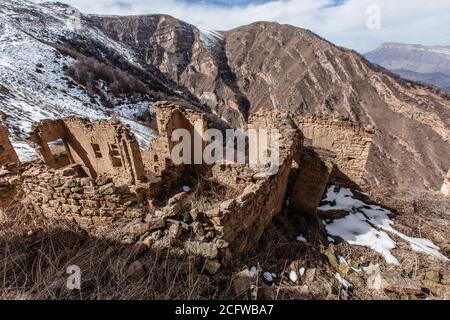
[(409, 21)]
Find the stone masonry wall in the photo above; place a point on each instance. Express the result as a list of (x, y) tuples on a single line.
[(169, 117), (240, 222), (104, 147), (348, 145), (69, 194), (312, 179)]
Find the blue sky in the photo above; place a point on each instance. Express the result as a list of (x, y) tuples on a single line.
[(343, 22)]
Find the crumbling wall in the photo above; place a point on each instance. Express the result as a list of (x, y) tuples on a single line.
[(68, 193), (8, 156), (446, 186), (93, 191), (169, 117), (240, 222), (314, 172), (347, 146), (103, 147), (9, 187)]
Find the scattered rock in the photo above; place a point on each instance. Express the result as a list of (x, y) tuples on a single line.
[(429, 274), (310, 274), (340, 267), (243, 282), (68, 172), (393, 281), (175, 231), (137, 228), (155, 223), (212, 266), (135, 271), (206, 250), (194, 213)]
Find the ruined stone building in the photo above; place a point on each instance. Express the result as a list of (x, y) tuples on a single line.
[(100, 179), (8, 156), (157, 158), (104, 148)]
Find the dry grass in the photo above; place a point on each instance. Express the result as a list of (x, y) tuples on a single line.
[(208, 193), (33, 266), (34, 256)]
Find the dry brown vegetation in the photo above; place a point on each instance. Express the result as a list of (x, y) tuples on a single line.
[(33, 266), (88, 71), (36, 253)]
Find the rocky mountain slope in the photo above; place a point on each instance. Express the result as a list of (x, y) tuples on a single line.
[(262, 66), (53, 65), (419, 63), (267, 65)]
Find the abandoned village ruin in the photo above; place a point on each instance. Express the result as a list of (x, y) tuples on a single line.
[(99, 178)]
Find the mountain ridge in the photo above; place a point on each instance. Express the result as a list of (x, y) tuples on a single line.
[(423, 61), (267, 66)]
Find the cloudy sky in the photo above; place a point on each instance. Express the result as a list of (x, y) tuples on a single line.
[(358, 24)]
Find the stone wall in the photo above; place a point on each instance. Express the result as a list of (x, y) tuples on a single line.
[(8, 156), (169, 117), (9, 187), (146, 196), (70, 194), (347, 146), (446, 186), (313, 176), (103, 147), (240, 222)]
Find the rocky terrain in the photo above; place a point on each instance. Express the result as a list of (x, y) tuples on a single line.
[(426, 64)]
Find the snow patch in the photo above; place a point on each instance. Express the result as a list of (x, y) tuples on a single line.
[(367, 225)]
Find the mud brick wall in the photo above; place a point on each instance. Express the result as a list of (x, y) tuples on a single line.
[(8, 156), (93, 204), (348, 145)]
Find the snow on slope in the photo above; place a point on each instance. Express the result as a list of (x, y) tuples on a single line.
[(209, 37), (370, 226), (33, 85)]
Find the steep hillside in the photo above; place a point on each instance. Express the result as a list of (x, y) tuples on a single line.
[(52, 65), (192, 58), (436, 79), (228, 74), (285, 67), (267, 65)]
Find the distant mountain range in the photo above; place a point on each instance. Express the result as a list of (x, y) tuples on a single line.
[(430, 65)]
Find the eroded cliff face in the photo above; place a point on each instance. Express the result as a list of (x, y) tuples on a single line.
[(195, 60)]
